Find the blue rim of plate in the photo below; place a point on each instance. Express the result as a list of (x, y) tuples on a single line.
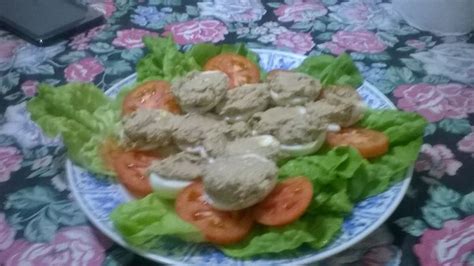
[(97, 197)]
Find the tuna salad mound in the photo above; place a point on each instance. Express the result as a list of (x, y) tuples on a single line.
[(232, 138), (239, 181)]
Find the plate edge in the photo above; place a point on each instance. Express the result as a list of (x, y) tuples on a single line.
[(371, 229)]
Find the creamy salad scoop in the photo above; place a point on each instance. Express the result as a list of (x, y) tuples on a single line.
[(200, 91), (148, 129), (343, 111), (292, 127), (195, 128), (292, 88), (173, 173), (232, 138), (263, 145), (181, 166), (346, 95), (239, 181), (242, 102)]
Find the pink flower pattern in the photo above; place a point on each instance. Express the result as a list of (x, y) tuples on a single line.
[(7, 52), (106, 7), (295, 41), (7, 48), (233, 11), (357, 41), (357, 12), (79, 245), (438, 160), (131, 38), (300, 11), (379, 256), (436, 102), (466, 144), (197, 31), (449, 246), (7, 233), (81, 40), (84, 70), (29, 87), (10, 161)]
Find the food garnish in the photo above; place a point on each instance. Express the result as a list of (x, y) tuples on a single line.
[(157, 121)]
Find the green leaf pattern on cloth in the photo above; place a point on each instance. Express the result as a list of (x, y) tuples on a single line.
[(39, 212)]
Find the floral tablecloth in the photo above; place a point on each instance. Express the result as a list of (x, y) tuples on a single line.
[(40, 224)]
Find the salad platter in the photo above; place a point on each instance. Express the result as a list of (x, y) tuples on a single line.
[(99, 196)]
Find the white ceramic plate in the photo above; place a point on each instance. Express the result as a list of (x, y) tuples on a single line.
[(98, 197)]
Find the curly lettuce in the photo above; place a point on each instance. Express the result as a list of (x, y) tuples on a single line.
[(85, 117), (143, 221), (340, 177), (332, 70), (164, 60), (82, 115)]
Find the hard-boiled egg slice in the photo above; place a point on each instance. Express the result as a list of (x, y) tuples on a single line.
[(303, 149), (167, 188), (267, 140), (333, 127), (237, 118), (264, 145)]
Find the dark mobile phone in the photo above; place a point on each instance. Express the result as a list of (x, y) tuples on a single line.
[(43, 22)]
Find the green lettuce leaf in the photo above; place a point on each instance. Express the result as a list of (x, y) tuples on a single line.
[(141, 222), (315, 231), (332, 70), (340, 177), (400, 127), (82, 115), (165, 61), (330, 174), (405, 131)]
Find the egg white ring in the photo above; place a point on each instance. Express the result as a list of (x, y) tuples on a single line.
[(304, 149), (267, 141), (333, 127), (237, 118), (167, 188)]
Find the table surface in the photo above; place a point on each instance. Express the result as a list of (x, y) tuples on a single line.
[(434, 76)]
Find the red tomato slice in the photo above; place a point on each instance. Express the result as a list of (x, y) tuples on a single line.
[(218, 227), (154, 94), (286, 203), (130, 166), (369, 143), (239, 69)]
